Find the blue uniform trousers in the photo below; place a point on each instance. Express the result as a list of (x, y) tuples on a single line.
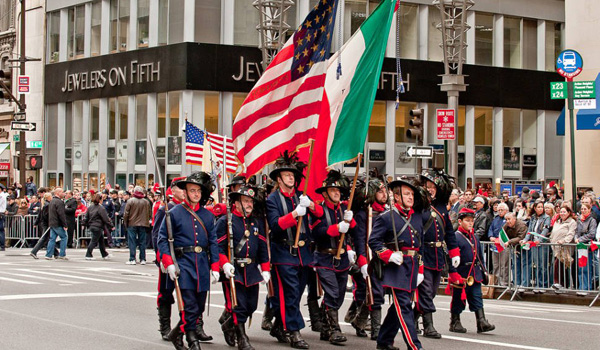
[(474, 297), (399, 317), (334, 287), (289, 282), (360, 290), (165, 290), (311, 285), (247, 301), (193, 306), (428, 290)]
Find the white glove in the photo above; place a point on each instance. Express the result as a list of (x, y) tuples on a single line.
[(364, 272), (455, 261), (215, 276), (343, 227), (420, 278), (266, 275), (300, 210), (162, 268), (172, 272), (396, 258), (304, 201), (229, 270), (348, 215), (352, 256)]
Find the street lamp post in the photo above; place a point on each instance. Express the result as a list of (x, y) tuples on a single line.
[(454, 27)]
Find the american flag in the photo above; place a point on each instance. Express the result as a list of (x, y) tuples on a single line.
[(217, 143), (194, 144), (282, 110)]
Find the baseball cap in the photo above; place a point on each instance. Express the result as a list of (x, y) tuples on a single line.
[(479, 199)]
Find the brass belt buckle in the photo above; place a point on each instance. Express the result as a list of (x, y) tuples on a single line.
[(197, 249), (301, 243), (438, 244)]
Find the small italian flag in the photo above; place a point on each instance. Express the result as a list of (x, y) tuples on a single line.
[(582, 253), (502, 240), (593, 246)]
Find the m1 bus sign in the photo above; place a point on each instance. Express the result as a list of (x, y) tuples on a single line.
[(569, 64), (445, 124)]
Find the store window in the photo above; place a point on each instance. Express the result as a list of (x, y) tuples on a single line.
[(529, 44), (511, 127), (238, 101), (377, 123), (484, 39), (94, 120), (112, 118), (119, 25), (53, 36), (75, 32), (77, 121), (554, 43), (355, 13), (245, 19), (529, 134), (52, 137), (434, 36), (143, 22), (176, 10), (122, 111), (408, 30), (69, 124), (96, 27), (141, 117), (512, 42), (207, 28), (211, 112), (174, 99), (162, 115), (163, 21), (402, 121), (140, 180), (484, 126)]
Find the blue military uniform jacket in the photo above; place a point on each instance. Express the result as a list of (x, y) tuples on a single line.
[(158, 219), (283, 229), (402, 277), (359, 236), (188, 232), (327, 237), (254, 248), (440, 230), (470, 256)]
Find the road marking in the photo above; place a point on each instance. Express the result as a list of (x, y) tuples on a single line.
[(488, 342), (69, 276), (154, 280), (537, 318), (71, 295), (18, 281), (56, 322), (42, 278)]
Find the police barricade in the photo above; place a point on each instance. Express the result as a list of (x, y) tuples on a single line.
[(14, 229), (31, 229), (81, 232)]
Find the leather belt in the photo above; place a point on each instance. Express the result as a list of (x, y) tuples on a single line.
[(410, 252), (243, 262), (330, 251), (437, 244), (301, 243), (190, 249)]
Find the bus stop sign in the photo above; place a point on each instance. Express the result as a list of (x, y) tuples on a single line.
[(569, 64)]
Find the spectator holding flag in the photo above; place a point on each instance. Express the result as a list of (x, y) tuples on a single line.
[(586, 231), (563, 232), (493, 233), (538, 232)]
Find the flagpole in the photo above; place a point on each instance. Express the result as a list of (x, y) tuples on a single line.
[(343, 235), (299, 225)]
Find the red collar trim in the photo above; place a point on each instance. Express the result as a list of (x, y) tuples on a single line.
[(176, 201), (288, 195), (462, 230), (330, 205), (403, 212), (195, 208), (378, 207), (237, 213)]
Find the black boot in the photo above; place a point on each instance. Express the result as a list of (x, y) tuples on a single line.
[(278, 332), (336, 332), (224, 316), (267, 320), (455, 325), (164, 320), (228, 328), (192, 340), (375, 323), (351, 313), (315, 314), (386, 347), (417, 316), (482, 324), (202, 336), (428, 329), (297, 342), (325, 325), (360, 322), (176, 337), (242, 339)]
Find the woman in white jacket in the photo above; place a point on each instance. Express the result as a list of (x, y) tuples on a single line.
[(563, 232)]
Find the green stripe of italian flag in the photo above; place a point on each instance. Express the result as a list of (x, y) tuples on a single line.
[(502, 241), (351, 95)]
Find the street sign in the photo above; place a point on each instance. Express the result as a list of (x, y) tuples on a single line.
[(419, 152), (582, 90), (558, 90), (23, 86), (16, 137), (585, 103), (569, 64), (23, 126), (445, 124), (34, 144)]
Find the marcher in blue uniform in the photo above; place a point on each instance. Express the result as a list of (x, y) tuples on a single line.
[(196, 250), (249, 265), (290, 265), (438, 234), (401, 272), (359, 311), (471, 265), (331, 272)]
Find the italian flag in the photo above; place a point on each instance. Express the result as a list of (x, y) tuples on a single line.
[(348, 98), (582, 253), (502, 240)]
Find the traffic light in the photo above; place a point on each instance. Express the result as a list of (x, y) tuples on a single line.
[(6, 79), (416, 123), (35, 162)]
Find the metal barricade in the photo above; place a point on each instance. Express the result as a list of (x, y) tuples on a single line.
[(13, 229), (31, 229), (81, 232)]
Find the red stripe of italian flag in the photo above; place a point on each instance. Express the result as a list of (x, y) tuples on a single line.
[(582, 253), (502, 241)]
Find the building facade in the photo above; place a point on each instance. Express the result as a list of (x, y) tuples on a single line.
[(119, 72)]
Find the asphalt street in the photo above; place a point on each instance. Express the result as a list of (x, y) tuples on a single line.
[(79, 304)]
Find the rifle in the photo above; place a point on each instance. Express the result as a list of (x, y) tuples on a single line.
[(231, 253), (369, 298), (294, 250), (336, 258), (391, 203), (270, 288), (169, 228)]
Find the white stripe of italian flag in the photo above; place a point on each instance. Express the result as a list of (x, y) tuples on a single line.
[(502, 241), (582, 253), (351, 96)]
